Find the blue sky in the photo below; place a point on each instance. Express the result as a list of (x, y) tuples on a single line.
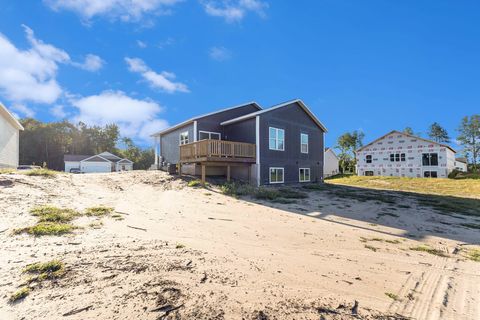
[(144, 64)]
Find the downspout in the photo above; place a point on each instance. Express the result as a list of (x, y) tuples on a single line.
[(257, 146)]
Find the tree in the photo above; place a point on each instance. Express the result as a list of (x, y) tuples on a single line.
[(348, 143), (438, 134), (408, 130), (469, 137)]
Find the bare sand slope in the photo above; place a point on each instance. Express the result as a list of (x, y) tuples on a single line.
[(212, 256)]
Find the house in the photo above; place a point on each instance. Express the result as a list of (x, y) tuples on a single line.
[(9, 139), (461, 164), (282, 144), (102, 162), (331, 166), (403, 155)]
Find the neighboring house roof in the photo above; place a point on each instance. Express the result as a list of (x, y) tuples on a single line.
[(7, 115), (331, 150), (408, 135), (464, 160), (96, 158), (300, 103), (110, 156), (202, 116), (125, 160), (74, 157)]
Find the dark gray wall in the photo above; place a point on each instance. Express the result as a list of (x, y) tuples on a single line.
[(241, 131), (170, 143), (212, 123), (294, 121)]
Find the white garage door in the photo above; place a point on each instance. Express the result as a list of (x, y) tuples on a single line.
[(88, 167)]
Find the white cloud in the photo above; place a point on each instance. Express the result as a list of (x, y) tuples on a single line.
[(92, 63), (233, 10), (219, 53), (141, 44), (23, 109), (124, 10), (163, 80), (58, 111), (30, 75), (135, 118)]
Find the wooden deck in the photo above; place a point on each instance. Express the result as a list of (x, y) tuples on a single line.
[(217, 151)]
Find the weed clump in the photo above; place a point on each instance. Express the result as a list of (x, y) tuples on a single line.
[(98, 211), (21, 294), (53, 214), (46, 229), (427, 249), (45, 270), (46, 173)]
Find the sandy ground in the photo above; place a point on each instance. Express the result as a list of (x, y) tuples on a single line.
[(216, 257)]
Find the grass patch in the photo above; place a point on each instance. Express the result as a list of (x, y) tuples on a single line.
[(197, 184), (179, 246), (53, 214), (276, 195), (47, 173), (53, 269), (430, 250), (47, 229), (474, 254), (374, 249), (237, 189), (21, 294), (7, 170), (98, 211), (392, 296), (96, 224)]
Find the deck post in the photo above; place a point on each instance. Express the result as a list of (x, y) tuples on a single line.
[(228, 173), (203, 173), (249, 174), (180, 169)]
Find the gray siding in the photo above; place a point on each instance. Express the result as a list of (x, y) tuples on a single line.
[(170, 143), (212, 123), (294, 121), (244, 131)]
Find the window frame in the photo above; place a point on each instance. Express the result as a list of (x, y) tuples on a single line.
[(276, 139), (368, 158), (276, 174), (300, 175), (182, 142), (301, 143), (427, 157), (209, 135)]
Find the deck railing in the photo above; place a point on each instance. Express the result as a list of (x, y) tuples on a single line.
[(216, 149)]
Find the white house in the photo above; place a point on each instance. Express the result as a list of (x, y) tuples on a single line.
[(9, 138), (102, 162), (331, 165), (403, 155), (461, 164)]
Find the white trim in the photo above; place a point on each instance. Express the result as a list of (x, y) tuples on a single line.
[(10, 117), (276, 168), (276, 139), (210, 134), (180, 138), (308, 141), (300, 103), (106, 153), (309, 175), (181, 124), (195, 131), (323, 162), (97, 155), (257, 147)]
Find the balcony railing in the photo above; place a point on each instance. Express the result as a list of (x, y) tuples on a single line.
[(217, 150)]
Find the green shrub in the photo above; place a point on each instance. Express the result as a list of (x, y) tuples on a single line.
[(47, 228), (53, 214), (19, 295), (98, 211), (237, 189), (42, 173), (45, 270)]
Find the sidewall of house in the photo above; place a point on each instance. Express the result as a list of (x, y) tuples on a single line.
[(331, 164), (9, 144), (294, 121), (170, 143)]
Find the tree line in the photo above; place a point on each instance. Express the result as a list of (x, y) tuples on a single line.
[(45, 144), (468, 137)]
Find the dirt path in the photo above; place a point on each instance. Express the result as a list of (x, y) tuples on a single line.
[(218, 257)]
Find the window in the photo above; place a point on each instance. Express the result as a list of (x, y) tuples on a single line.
[(369, 173), (304, 174), (430, 174), (276, 175), (368, 158), (430, 159), (276, 139), (184, 138), (204, 135), (303, 143), (397, 157)]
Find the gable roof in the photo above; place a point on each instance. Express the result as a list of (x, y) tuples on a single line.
[(110, 156), (331, 150), (125, 160), (96, 158), (408, 135), (191, 120), (278, 106), (74, 157), (10, 118)]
